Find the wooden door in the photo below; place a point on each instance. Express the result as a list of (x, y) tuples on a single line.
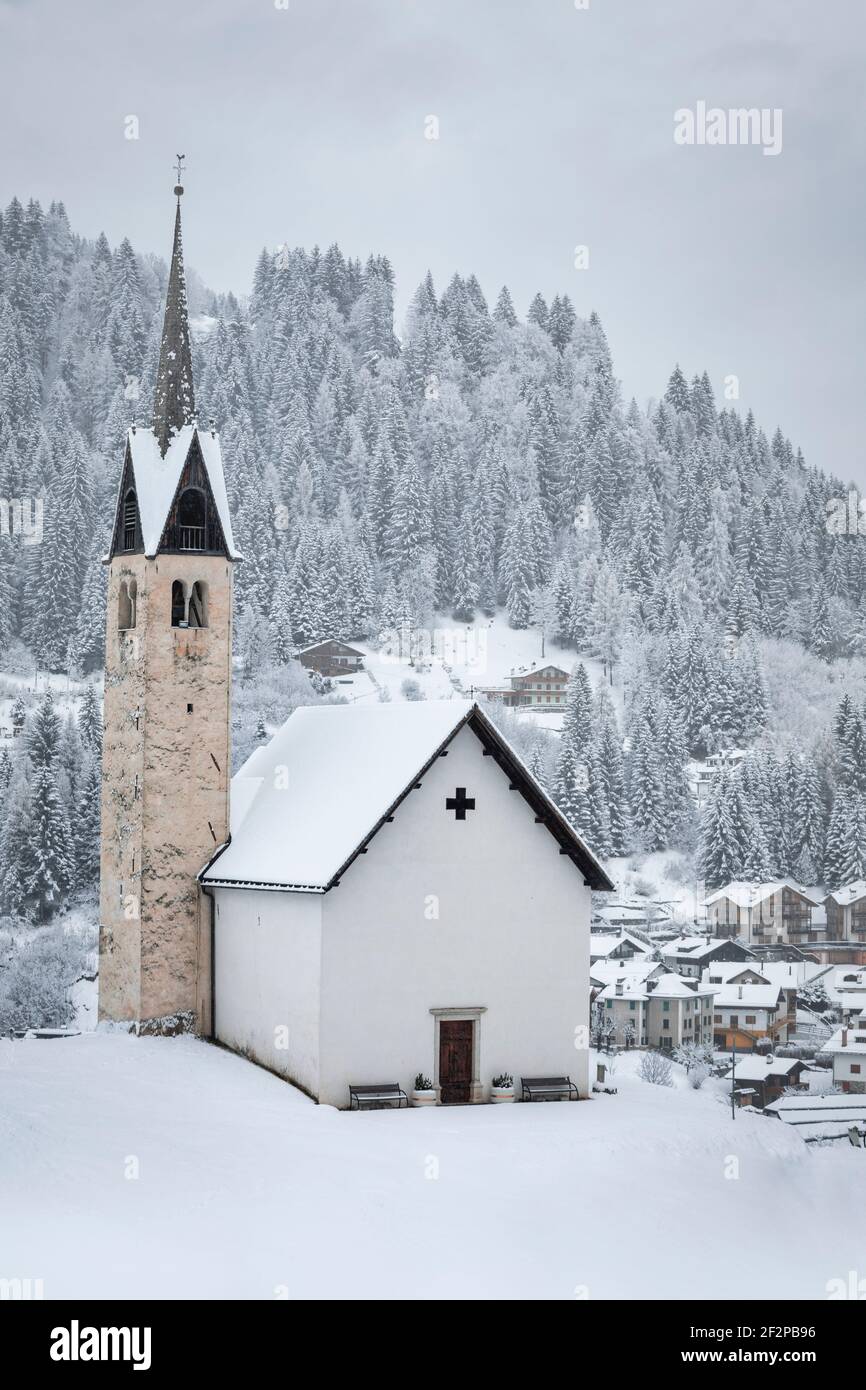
[(455, 1060)]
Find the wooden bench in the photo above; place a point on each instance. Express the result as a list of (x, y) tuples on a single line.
[(384, 1094), (548, 1087)]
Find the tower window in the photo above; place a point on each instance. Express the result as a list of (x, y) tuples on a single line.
[(198, 604), (126, 604), (129, 520), (189, 709), (178, 604), (191, 519)]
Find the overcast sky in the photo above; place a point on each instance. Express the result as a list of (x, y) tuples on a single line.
[(556, 129)]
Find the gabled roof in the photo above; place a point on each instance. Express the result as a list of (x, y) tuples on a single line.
[(851, 893), (156, 477), (750, 894), (746, 996), (602, 944), (347, 768), (691, 948), (663, 987), (329, 642), (755, 1068)]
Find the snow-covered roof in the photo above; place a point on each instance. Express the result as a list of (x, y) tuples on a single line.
[(855, 1040), (663, 987), (755, 1068), (328, 778), (601, 944), (694, 947), (157, 477), (746, 996), (638, 968), (744, 894), (851, 893)]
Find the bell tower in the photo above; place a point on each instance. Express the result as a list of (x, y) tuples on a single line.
[(166, 752)]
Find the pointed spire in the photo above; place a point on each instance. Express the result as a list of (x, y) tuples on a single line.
[(174, 397)]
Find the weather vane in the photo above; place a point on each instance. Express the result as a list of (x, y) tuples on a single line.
[(178, 188)]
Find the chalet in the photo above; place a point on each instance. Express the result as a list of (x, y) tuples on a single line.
[(539, 689), (847, 1047), (662, 1011), (766, 1078), (331, 658), (615, 946), (745, 1015), (690, 955), (763, 913), (846, 913)]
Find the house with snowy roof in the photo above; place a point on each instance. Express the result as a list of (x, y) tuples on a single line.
[(619, 945), (847, 1048), (746, 1015), (766, 1078), (689, 955), (846, 913), (782, 912), (661, 1011), (380, 891)]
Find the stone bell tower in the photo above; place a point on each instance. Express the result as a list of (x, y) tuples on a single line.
[(166, 753)]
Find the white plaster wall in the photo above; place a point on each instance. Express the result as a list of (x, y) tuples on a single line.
[(267, 976), (512, 935)]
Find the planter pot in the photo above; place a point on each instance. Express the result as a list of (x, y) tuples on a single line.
[(423, 1097), (501, 1095)]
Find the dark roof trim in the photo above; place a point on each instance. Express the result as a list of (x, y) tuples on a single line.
[(569, 841)]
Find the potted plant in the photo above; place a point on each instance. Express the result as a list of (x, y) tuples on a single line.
[(423, 1092), (502, 1089)]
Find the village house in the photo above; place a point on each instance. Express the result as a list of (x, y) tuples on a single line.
[(615, 946), (847, 1047), (846, 913), (331, 658), (775, 974), (605, 972), (762, 913), (662, 1011), (745, 1015), (766, 1078), (689, 955), (539, 689)]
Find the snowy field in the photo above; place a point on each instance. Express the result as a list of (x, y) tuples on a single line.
[(245, 1189)]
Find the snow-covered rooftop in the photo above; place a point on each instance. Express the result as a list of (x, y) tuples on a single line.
[(755, 1068), (601, 944), (746, 996), (851, 893), (662, 987), (305, 803), (157, 477), (854, 1040), (744, 894)]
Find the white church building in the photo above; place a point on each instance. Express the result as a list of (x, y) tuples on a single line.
[(379, 892), (399, 895)]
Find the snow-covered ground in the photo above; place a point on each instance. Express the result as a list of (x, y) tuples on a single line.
[(168, 1168)]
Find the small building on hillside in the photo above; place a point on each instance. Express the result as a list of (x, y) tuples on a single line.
[(689, 955), (782, 912), (765, 1078), (540, 689), (662, 1011), (331, 658)]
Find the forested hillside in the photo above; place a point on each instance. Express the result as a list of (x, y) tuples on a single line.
[(468, 460)]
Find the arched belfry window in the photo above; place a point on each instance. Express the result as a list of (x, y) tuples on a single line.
[(126, 604), (192, 519), (178, 604), (198, 604)]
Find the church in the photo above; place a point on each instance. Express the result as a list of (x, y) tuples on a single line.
[(381, 890)]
